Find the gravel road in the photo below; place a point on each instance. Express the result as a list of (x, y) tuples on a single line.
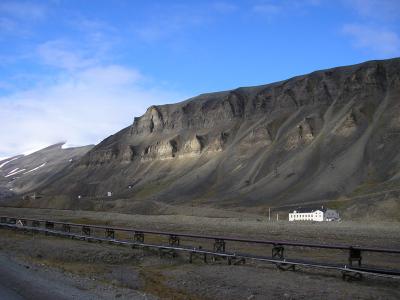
[(8, 293), (22, 280), (18, 281)]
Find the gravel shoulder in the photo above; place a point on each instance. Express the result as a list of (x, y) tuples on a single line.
[(21, 279)]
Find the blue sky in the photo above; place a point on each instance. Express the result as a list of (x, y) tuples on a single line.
[(78, 71)]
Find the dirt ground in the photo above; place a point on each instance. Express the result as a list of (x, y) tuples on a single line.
[(252, 226), (108, 271)]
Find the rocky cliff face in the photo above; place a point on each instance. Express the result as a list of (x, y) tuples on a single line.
[(312, 137)]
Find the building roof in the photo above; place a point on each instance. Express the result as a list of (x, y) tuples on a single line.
[(309, 209)]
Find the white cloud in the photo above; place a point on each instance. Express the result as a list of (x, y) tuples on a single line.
[(267, 8), (271, 9), (83, 96), (172, 21), (7, 25), (23, 9), (79, 93), (81, 107), (57, 53), (224, 7), (17, 18), (378, 40), (383, 10), (166, 26), (5, 85)]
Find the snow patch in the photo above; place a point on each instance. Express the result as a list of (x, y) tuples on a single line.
[(69, 146), (16, 169), (4, 163), (34, 169), (14, 173)]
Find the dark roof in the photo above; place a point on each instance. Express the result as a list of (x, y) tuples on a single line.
[(310, 209)]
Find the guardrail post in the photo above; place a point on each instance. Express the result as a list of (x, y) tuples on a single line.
[(66, 228), (355, 255), (23, 223), (138, 237), (278, 251), (195, 254), (86, 230), (35, 224), (3, 220), (49, 225), (174, 240), (110, 233), (219, 245)]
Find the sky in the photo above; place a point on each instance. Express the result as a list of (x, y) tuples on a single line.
[(80, 70)]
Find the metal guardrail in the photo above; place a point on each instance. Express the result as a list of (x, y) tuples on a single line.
[(212, 237), (219, 245)]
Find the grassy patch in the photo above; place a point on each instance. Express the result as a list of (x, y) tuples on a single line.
[(371, 186), (338, 204), (210, 193), (88, 221), (77, 268), (155, 284), (365, 187), (152, 188)]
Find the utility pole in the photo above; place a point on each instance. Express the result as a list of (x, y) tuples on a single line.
[(269, 213), (277, 216)]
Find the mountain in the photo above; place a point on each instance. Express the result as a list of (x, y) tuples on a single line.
[(313, 138), (26, 173)]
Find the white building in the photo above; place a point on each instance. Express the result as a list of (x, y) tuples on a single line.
[(316, 215)]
